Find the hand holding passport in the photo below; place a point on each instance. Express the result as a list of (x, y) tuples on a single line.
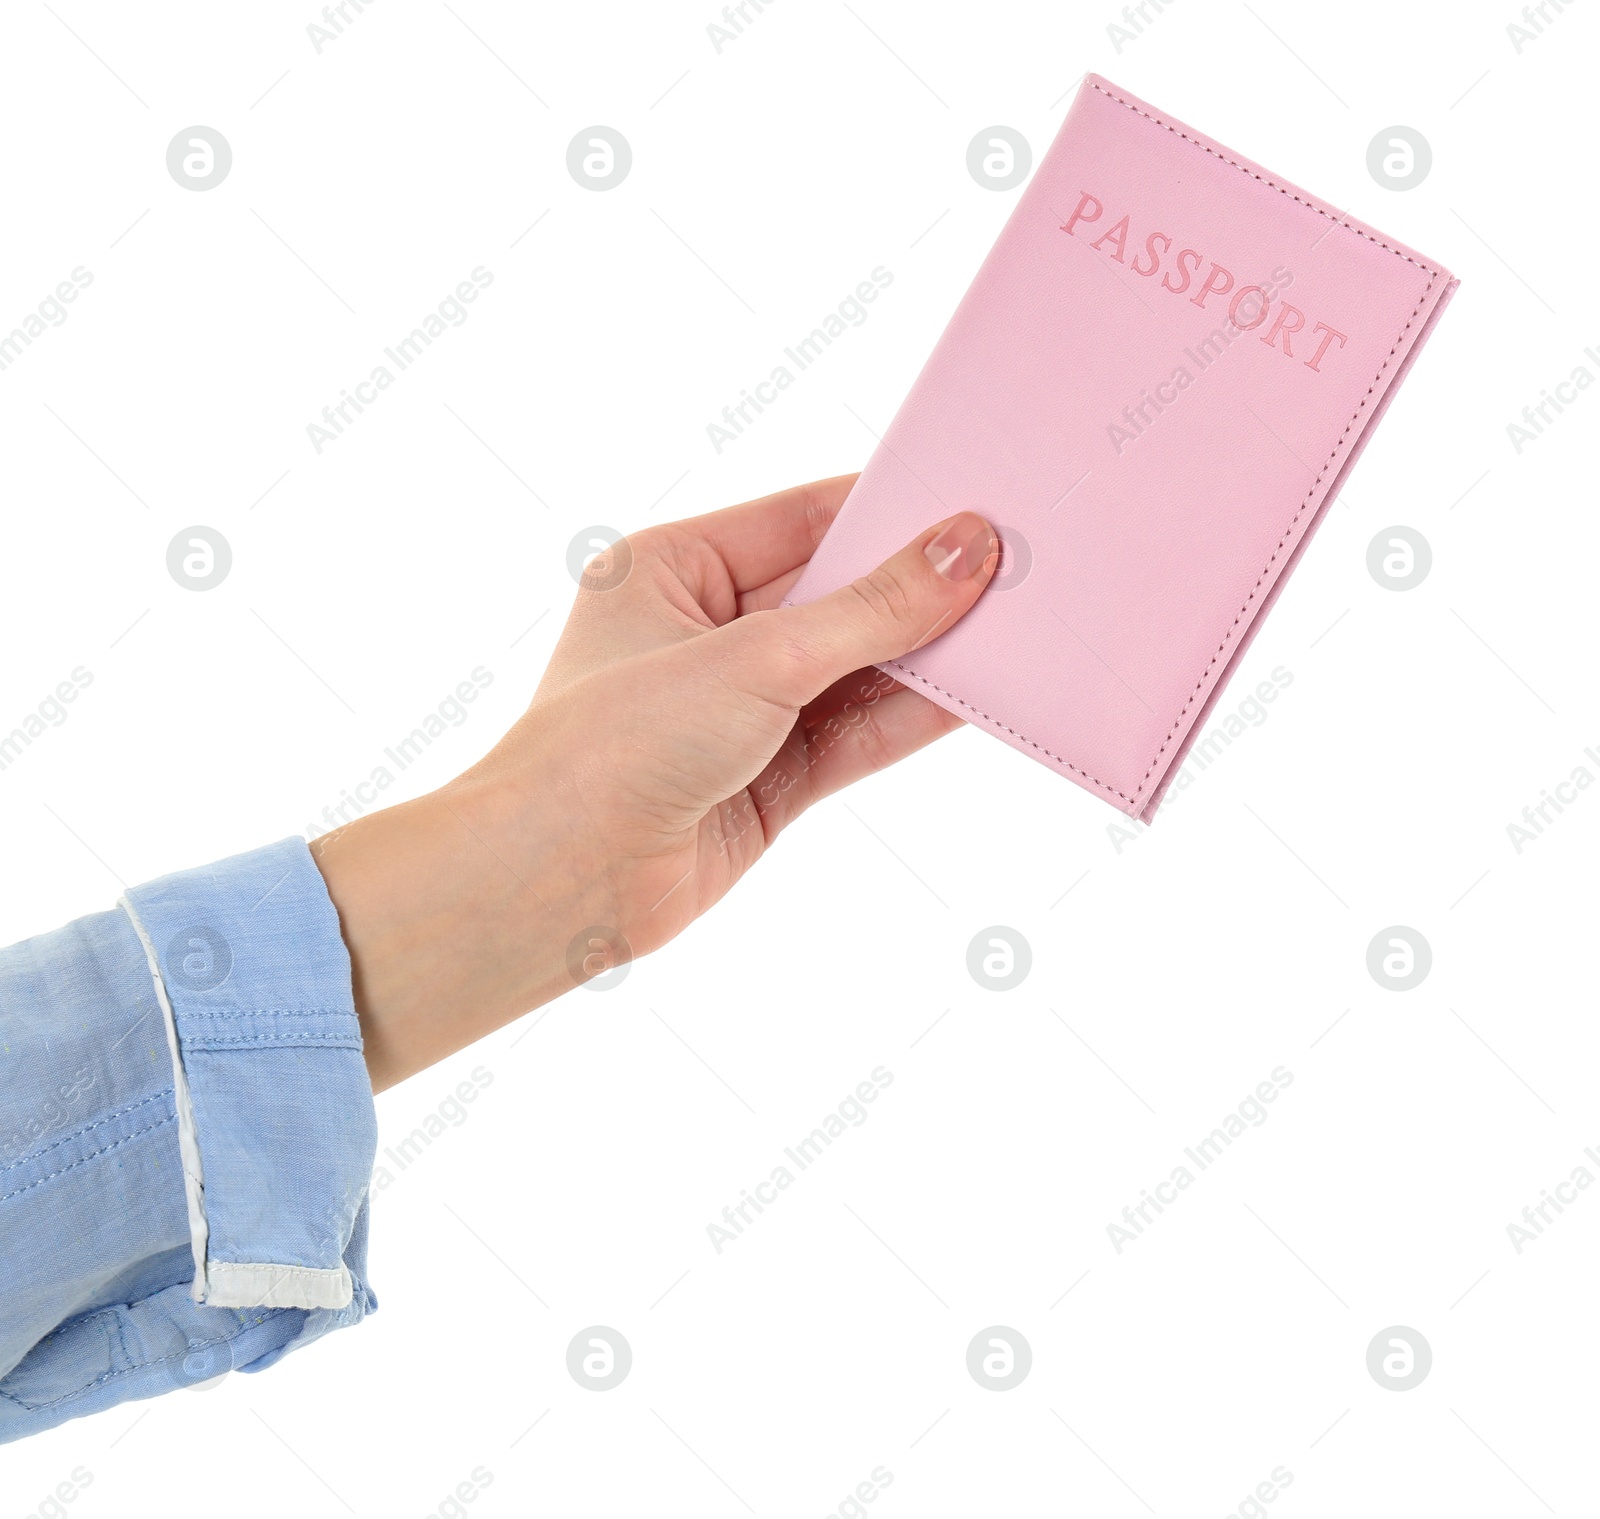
[(1164, 370)]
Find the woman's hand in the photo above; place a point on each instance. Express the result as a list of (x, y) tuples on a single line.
[(685, 720)]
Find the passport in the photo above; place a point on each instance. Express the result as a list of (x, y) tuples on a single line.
[(1153, 389)]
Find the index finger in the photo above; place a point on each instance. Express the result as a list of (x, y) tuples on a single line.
[(757, 541)]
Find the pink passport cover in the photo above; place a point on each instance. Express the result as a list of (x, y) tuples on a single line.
[(1154, 468)]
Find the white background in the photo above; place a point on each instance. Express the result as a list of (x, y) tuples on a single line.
[(1172, 969)]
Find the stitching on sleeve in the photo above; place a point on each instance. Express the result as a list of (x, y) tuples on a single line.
[(257, 1012), (127, 1371), (122, 1338), (104, 1150), (87, 1129), (202, 1042)]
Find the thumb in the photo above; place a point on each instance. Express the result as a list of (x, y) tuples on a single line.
[(793, 654)]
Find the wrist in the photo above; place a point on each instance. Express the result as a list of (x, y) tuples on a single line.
[(457, 909)]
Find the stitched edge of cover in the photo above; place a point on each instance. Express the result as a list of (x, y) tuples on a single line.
[(1233, 627), (1246, 169), (1229, 636), (194, 1187), (994, 722), (1433, 278)]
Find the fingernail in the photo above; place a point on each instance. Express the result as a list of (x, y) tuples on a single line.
[(962, 547)]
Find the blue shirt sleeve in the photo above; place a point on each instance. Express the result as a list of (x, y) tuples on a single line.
[(187, 1137)]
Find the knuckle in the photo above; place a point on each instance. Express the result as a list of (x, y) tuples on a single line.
[(606, 571), (885, 596), (819, 517), (782, 664), (799, 656), (648, 542), (872, 738)]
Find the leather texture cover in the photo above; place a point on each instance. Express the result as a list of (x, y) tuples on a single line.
[(1153, 389)]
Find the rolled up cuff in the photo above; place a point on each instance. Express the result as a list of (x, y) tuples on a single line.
[(276, 1124)]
